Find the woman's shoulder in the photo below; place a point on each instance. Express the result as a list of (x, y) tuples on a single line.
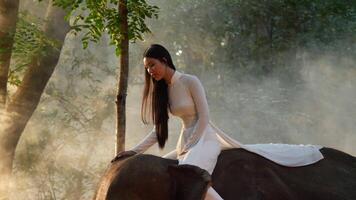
[(190, 77), (191, 81)]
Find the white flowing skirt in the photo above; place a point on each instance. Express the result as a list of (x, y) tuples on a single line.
[(204, 154)]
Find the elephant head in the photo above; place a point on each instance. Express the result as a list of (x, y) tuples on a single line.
[(148, 177), (190, 182)]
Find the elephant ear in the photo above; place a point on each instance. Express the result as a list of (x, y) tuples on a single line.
[(189, 182)]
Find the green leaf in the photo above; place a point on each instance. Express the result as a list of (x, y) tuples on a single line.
[(97, 17)]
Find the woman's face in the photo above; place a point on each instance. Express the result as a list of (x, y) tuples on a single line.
[(154, 67)]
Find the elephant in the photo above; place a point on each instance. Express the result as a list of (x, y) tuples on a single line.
[(238, 174)]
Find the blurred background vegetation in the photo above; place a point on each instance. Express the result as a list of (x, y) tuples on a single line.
[(280, 71)]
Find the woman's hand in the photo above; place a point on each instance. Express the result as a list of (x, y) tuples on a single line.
[(123, 154), (183, 152)]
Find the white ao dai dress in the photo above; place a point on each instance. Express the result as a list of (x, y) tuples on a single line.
[(202, 141)]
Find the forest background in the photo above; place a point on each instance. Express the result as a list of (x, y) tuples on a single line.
[(277, 71)]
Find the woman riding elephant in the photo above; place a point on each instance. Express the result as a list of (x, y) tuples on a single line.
[(200, 142)]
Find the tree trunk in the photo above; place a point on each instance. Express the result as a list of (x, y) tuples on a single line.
[(124, 72), (25, 100), (8, 19)]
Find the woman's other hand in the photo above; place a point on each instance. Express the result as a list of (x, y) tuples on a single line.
[(123, 154), (183, 152)]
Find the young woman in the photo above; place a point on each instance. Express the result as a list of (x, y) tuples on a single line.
[(200, 142)]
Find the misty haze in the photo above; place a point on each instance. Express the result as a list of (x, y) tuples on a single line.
[(266, 82)]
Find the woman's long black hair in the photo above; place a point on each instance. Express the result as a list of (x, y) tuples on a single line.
[(155, 99)]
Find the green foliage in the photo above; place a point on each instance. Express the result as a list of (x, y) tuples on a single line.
[(291, 24), (99, 16), (60, 161), (29, 42), (256, 35)]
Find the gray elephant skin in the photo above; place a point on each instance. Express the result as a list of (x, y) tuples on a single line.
[(239, 174)]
